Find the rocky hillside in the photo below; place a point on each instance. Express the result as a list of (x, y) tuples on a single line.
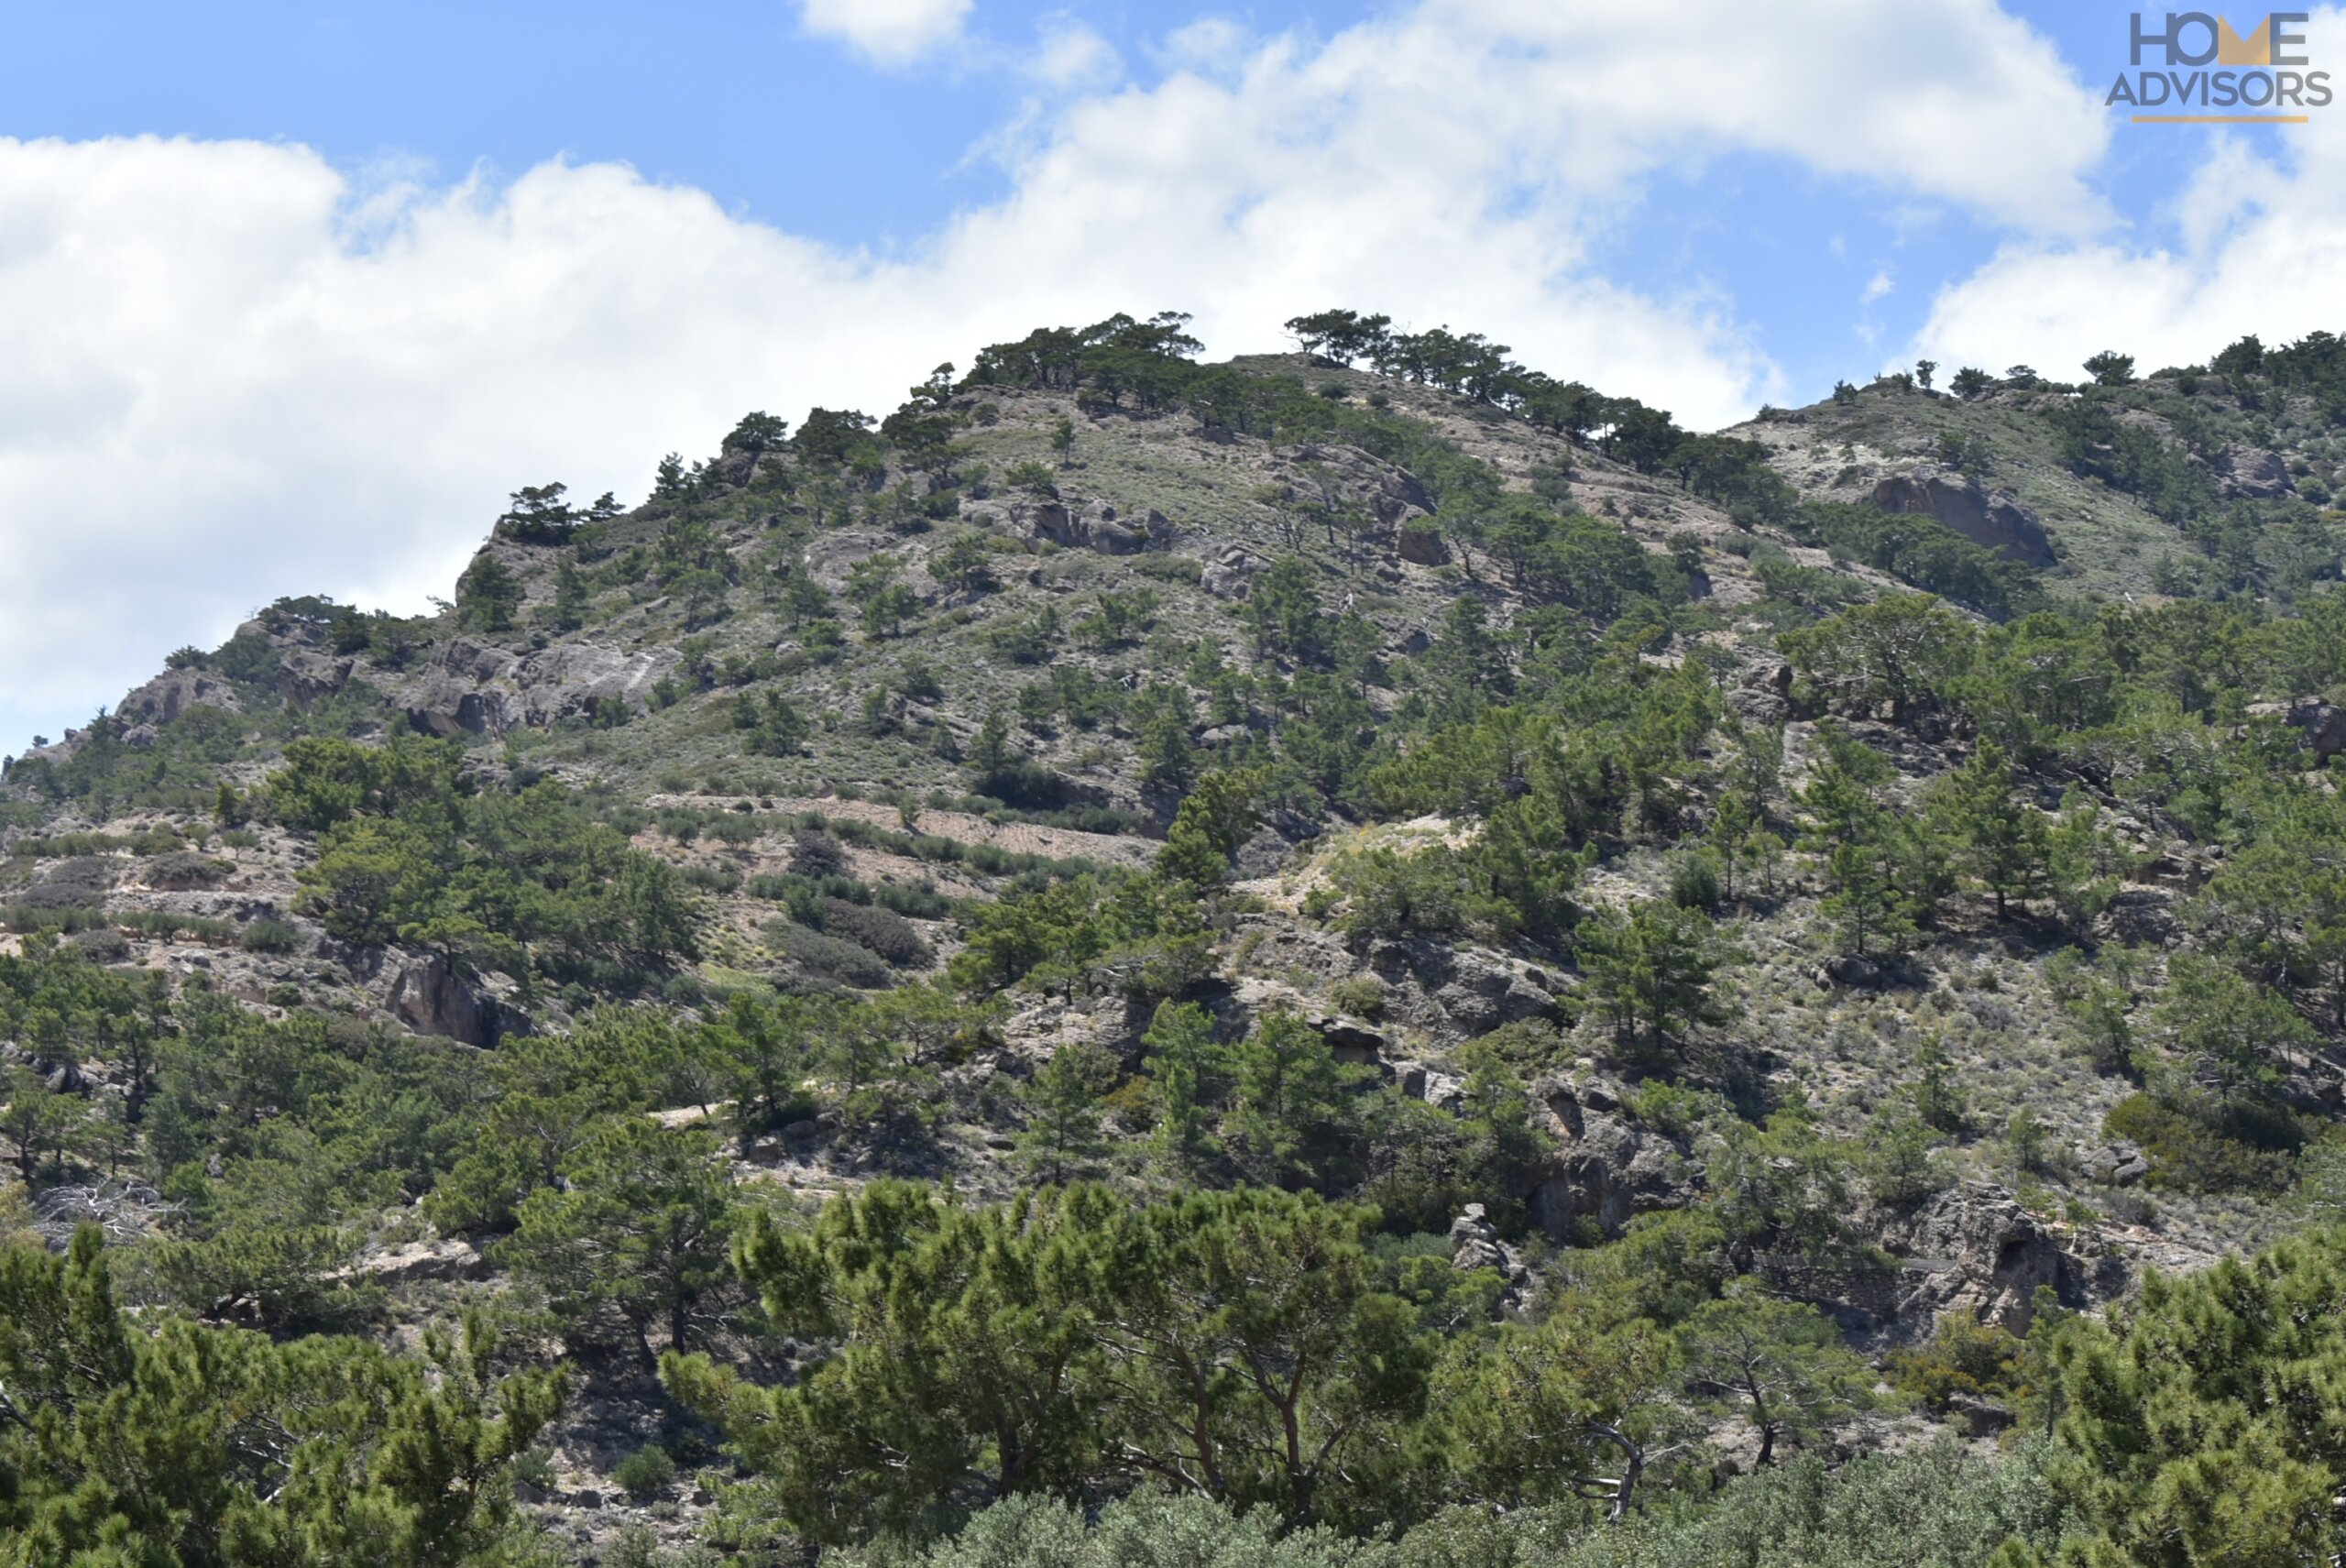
[(1868, 882)]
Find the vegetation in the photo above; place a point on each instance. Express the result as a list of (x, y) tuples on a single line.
[(959, 988)]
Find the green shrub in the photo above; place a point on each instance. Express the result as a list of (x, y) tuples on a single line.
[(917, 901), (709, 878), (2187, 1153), (1694, 881), (832, 958), (1362, 996), (646, 1473), (268, 935), (880, 931), (1964, 1356), (103, 945), (182, 869)]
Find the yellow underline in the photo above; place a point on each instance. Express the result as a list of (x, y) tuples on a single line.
[(2222, 119)]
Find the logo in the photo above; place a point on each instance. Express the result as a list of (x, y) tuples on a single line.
[(2255, 71)]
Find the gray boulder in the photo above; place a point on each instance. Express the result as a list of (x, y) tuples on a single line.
[(1229, 576), (567, 681), (2250, 473), (304, 675)]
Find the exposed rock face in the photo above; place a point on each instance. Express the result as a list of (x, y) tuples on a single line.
[(1959, 501), (1421, 547), (1349, 1040), (427, 996), (2141, 916), (304, 675), (1474, 1244), (1095, 526), (472, 688), (1762, 694), (443, 1261), (172, 693), (2250, 473), (2324, 725), (1388, 492), (449, 697), (1475, 990), (1606, 1169), (566, 682), (2120, 1165), (1973, 1250)]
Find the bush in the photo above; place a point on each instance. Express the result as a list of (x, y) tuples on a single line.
[(169, 925), (184, 869), (1363, 996), (733, 831), (2187, 1153), (1694, 882), (646, 1473), (267, 935), (79, 884), (880, 931), (709, 878), (1964, 1356), (815, 853), (832, 958), (919, 901), (103, 945)]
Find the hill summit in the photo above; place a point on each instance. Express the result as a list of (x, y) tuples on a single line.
[(1363, 942)]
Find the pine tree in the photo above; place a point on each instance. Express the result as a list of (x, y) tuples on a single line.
[(1652, 969), (2003, 843), (1063, 1136), (1781, 1363), (1185, 1065), (570, 597)]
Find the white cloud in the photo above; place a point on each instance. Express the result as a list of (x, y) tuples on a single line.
[(233, 375), (2261, 247), (1072, 55), (2263, 250), (1877, 287), (888, 32)]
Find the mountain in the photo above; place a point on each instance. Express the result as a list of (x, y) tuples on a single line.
[(1545, 957)]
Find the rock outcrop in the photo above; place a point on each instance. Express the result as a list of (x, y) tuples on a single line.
[(1972, 1249), (2250, 473), (470, 688), (1607, 1169), (1230, 576), (1420, 546), (2324, 725), (1994, 521), (1095, 526), (428, 996), (1352, 478), (304, 675), (1475, 990), (1474, 1243), (172, 693)]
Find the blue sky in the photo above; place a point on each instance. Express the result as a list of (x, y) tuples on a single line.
[(787, 129), (390, 262)]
